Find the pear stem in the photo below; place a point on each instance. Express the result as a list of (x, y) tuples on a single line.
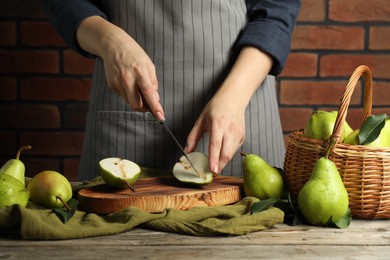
[(25, 147), (65, 204), (330, 147), (243, 154), (131, 187)]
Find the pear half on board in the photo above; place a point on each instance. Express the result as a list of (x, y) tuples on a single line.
[(184, 172)]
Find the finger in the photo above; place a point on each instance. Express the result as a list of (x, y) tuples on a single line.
[(148, 84), (228, 148), (215, 144), (194, 137), (116, 87), (131, 92)]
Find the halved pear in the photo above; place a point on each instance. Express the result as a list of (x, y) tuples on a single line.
[(184, 172), (119, 173)]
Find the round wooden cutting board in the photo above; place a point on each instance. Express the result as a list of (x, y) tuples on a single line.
[(157, 194)]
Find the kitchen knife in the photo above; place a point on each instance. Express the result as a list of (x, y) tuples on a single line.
[(199, 173)]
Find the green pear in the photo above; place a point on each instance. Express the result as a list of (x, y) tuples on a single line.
[(15, 167), (184, 172), (50, 189), (12, 191), (119, 173), (323, 197), (321, 123), (261, 180), (383, 140)]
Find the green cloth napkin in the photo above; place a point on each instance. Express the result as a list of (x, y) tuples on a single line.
[(44, 224)]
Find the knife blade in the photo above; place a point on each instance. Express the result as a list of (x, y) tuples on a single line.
[(199, 173)]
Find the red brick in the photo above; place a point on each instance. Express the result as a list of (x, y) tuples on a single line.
[(313, 37), (379, 38), (355, 117), (294, 118), (36, 165), (39, 34), (300, 65), (335, 65), (17, 61), (74, 63), (286, 139), (312, 11), (75, 115), (71, 166), (300, 92), (54, 143), (8, 143), (8, 33), (359, 10), (381, 110), (22, 8), (8, 88), (381, 93), (55, 89), (29, 116)]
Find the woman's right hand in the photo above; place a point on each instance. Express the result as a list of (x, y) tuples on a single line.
[(129, 70)]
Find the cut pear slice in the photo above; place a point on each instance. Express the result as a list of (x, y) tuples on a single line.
[(184, 172), (119, 173)]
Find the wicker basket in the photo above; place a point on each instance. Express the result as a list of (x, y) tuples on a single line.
[(365, 171)]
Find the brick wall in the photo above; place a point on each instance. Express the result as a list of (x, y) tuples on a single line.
[(44, 85)]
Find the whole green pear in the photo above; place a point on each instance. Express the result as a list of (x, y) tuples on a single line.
[(261, 180), (12, 191), (15, 167), (321, 123), (383, 140), (323, 197), (51, 189)]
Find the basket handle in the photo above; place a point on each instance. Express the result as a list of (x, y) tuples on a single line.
[(361, 71)]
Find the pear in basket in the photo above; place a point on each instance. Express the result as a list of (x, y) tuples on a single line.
[(382, 141), (320, 125)]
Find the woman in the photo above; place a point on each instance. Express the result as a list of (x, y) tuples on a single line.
[(205, 67)]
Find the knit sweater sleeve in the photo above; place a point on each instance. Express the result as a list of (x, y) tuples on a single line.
[(269, 28), (67, 15)]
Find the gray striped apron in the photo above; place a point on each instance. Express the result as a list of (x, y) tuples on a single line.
[(190, 43)]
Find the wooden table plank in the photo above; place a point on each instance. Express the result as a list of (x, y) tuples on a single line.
[(364, 239)]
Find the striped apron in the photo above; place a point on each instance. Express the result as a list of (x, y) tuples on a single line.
[(190, 43)]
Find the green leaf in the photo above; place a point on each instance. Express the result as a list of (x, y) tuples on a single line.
[(371, 128), (64, 214), (263, 205), (291, 213), (285, 203), (344, 221), (341, 223)]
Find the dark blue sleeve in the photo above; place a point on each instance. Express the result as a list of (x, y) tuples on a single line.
[(66, 17), (269, 28)]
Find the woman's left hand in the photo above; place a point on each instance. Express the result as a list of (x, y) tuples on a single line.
[(224, 115), (225, 122)]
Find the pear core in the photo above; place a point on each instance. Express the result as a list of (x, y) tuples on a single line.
[(184, 172), (119, 173)]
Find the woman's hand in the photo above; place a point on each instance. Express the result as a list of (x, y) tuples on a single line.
[(224, 119), (129, 70), (224, 116)]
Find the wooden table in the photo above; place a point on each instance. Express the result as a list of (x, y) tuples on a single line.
[(364, 239)]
